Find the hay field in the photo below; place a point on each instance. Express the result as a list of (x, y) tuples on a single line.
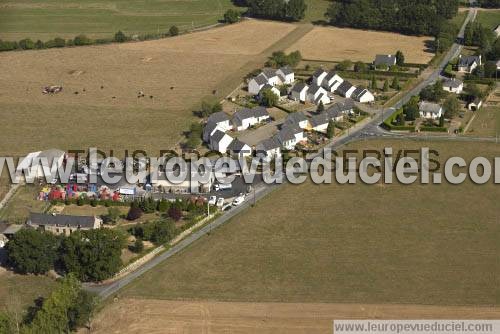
[(381, 244), (156, 316), (106, 112), (336, 44)]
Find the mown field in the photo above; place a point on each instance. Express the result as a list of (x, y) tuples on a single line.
[(489, 18), (417, 244), (46, 19), (486, 123)]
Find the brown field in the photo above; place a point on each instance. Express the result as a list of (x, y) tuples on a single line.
[(177, 72), (486, 123), (334, 44), (160, 316)]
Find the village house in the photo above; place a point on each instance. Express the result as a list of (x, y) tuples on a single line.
[(430, 110), (273, 89), (467, 64), (318, 76), (298, 119), (317, 94), (384, 61), (475, 105), (362, 95), (299, 92), (271, 77), (245, 118), (319, 123), (453, 86), (331, 82), (208, 131), (7, 232), (286, 75), (239, 149), (286, 138), (220, 141), (268, 148), (222, 120), (346, 89), (339, 110), (38, 164), (63, 224)]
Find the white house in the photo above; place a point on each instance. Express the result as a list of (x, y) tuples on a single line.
[(245, 118), (362, 95), (220, 141), (497, 30), (299, 92), (286, 138), (256, 84), (40, 164), (467, 64), (430, 110), (453, 86), (339, 110), (387, 60), (239, 149), (317, 94), (286, 75), (297, 119), (475, 105), (268, 148), (332, 81), (320, 122), (273, 89), (222, 121), (318, 76), (346, 89)]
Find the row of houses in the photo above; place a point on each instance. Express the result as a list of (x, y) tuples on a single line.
[(271, 78)]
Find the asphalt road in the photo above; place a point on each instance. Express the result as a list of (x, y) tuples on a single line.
[(369, 128)]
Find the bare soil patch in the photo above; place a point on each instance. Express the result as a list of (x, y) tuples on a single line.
[(334, 44)]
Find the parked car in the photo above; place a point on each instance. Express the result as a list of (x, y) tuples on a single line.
[(238, 201), (220, 202), (212, 200), (223, 186)]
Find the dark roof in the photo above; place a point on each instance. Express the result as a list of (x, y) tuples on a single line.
[(388, 60), (249, 113), (286, 70), (261, 79), (208, 129), (429, 107), (468, 61), (217, 136), (319, 119), (269, 72), (40, 219), (330, 75), (218, 117), (313, 89), (344, 87), (299, 87), (318, 72), (453, 83), (358, 92), (284, 135), (268, 144), (340, 108), (236, 145), (295, 118)]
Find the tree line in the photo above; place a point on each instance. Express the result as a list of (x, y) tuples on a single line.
[(286, 10)]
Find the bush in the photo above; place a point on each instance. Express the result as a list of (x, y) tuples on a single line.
[(232, 16), (82, 40), (134, 213), (8, 46), (175, 213), (26, 44), (173, 31), (138, 246), (120, 37)]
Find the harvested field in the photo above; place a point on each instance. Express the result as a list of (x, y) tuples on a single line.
[(486, 123), (396, 244), (336, 44), (160, 316), (99, 104)]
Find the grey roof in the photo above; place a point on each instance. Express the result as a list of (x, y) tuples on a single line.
[(284, 135), (295, 118), (320, 119), (242, 114), (286, 70), (208, 129), (388, 60), (477, 100), (330, 75), (452, 83), (237, 145), (261, 79), (313, 89), (217, 136), (269, 72), (266, 86), (358, 92), (468, 61), (299, 87), (268, 144), (344, 87), (340, 108), (40, 219), (12, 229), (429, 107), (318, 72), (218, 117)]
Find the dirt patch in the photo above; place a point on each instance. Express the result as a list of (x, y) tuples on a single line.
[(329, 43), (160, 316)]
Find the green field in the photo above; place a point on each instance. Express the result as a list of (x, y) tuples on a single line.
[(489, 18), (21, 204), (418, 244), (45, 19)]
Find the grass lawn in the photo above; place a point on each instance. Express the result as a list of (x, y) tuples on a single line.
[(489, 18), (21, 204), (316, 10), (47, 19), (486, 123), (418, 244)]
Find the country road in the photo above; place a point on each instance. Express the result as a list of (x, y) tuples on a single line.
[(369, 128)]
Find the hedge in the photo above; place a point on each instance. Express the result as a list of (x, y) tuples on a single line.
[(433, 129)]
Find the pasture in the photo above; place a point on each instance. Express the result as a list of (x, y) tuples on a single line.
[(489, 18), (337, 44), (486, 123), (47, 19), (379, 244), (99, 105)]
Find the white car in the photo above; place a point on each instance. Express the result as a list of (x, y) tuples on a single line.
[(238, 200), (220, 202), (212, 200)]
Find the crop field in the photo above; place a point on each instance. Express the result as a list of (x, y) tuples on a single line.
[(380, 244), (99, 105), (334, 44), (47, 19), (489, 18)]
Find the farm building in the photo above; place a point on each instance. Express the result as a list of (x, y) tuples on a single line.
[(245, 118), (268, 148), (453, 86), (298, 119), (39, 164), (384, 60), (299, 92), (346, 89), (475, 105), (271, 77), (430, 110), (239, 149), (362, 95), (63, 224), (220, 141), (317, 94), (467, 64), (332, 81)]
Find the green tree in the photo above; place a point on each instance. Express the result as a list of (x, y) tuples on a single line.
[(386, 86), (321, 107), (82, 40), (401, 119), (112, 216), (395, 84), (344, 65), (138, 246), (32, 252), (39, 45), (26, 44), (451, 106), (120, 37), (295, 10), (400, 58), (81, 311), (268, 98), (59, 42), (359, 66), (490, 69), (441, 121), (374, 83), (232, 16), (411, 109), (330, 130), (173, 31)]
